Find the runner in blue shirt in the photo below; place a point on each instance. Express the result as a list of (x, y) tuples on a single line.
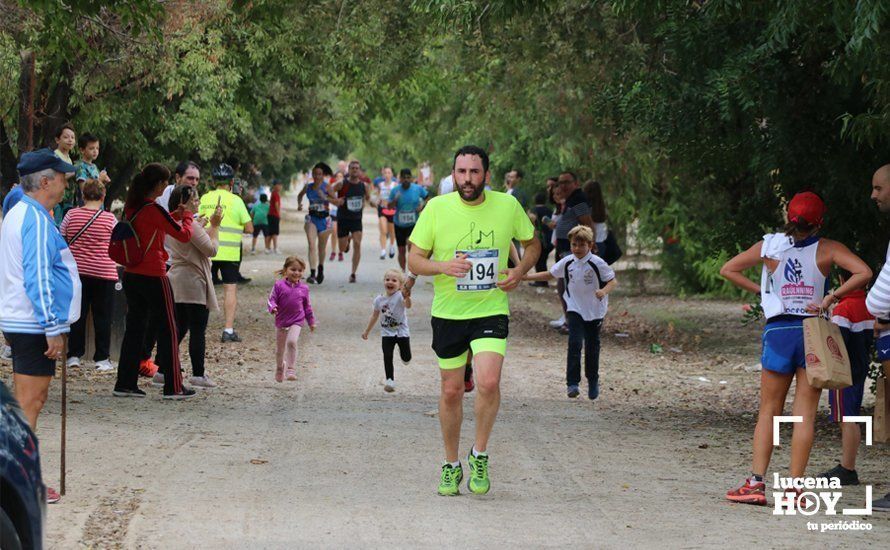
[(407, 199)]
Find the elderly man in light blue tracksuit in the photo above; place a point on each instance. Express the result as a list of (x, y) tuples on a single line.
[(39, 285)]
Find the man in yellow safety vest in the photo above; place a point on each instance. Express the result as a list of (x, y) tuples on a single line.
[(235, 223)]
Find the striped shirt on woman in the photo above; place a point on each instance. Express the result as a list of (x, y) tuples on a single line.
[(91, 248)]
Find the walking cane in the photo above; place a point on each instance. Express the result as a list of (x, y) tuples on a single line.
[(64, 413)]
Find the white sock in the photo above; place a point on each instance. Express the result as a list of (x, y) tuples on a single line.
[(477, 453), (229, 330), (454, 464)]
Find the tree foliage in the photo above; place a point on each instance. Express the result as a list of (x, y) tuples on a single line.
[(700, 118)]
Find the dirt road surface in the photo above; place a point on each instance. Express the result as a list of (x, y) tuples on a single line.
[(332, 461)]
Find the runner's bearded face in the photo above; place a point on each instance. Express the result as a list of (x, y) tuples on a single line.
[(469, 177), (355, 171)]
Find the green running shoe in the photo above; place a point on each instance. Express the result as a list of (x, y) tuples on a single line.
[(449, 485), (478, 482)]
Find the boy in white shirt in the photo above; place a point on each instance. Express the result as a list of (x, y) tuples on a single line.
[(589, 280)]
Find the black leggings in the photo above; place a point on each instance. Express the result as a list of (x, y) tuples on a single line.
[(97, 295), (149, 301), (192, 318), (389, 344)]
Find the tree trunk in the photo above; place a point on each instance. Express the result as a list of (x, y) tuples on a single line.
[(56, 113), (27, 84)]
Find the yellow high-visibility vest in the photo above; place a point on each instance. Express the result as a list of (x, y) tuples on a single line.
[(231, 229)]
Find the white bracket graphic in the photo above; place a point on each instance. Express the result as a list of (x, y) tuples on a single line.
[(778, 421)]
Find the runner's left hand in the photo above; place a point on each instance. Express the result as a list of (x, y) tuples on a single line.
[(514, 277)]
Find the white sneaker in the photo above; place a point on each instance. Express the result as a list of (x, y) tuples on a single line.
[(105, 365), (392, 250), (253, 252), (73, 362), (203, 382), (556, 323), (267, 251), (383, 254), (6, 353), (158, 379), (390, 385)]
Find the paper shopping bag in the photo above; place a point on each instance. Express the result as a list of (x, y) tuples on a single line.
[(828, 365), (881, 426)]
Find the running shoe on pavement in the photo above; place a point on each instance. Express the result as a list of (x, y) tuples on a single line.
[(339, 257), (392, 251), (73, 362), (882, 504), (390, 386), (147, 368), (311, 280), (333, 255), (750, 492), (352, 278), (105, 365), (845, 476), (383, 254), (573, 392), (556, 323), (52, 496), (478, 483), (320, 276), (449, 483), (202, 382)]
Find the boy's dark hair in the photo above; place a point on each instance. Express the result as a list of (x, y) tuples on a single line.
[(264, 197), (471, 150), (85, 139), (64, 127), (571, 173)]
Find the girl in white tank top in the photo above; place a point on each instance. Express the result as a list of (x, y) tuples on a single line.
[(793, 286)]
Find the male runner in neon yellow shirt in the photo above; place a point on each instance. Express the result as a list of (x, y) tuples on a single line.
[(464, 240)]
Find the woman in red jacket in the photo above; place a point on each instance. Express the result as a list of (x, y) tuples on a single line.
[(148, 292)]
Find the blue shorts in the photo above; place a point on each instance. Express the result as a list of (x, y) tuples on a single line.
[(846, 402), (882, 346), (321, 224), (783, 350)]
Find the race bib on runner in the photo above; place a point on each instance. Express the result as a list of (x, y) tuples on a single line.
[(354, 204), (317, 207), (484, 273), (407, 218)]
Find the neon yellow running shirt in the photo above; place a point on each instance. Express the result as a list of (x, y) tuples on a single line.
[(484, 231)]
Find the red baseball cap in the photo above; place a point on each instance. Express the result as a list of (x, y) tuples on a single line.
[(806, 207)]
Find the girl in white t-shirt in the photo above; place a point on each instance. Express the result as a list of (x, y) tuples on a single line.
[(588, 282), (392, 310)]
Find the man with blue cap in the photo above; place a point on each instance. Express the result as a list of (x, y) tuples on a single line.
[(39, 284)]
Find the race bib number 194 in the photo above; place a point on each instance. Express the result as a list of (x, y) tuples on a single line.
[(484, 273)]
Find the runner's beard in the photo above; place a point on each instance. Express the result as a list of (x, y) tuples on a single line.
[(470, 195)]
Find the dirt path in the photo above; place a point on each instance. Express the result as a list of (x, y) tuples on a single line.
[(333, 461)]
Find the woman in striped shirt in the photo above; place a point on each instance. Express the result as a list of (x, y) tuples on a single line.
[(88, 232)]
